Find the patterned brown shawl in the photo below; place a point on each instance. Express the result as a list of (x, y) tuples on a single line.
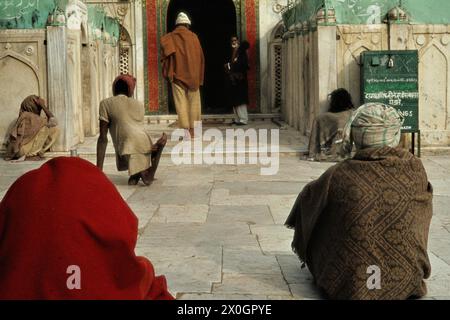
[(372, 210)]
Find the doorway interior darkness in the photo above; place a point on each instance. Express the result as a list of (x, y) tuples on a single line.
[(214, 22)]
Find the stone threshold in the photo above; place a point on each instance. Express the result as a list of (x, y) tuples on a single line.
[(300, 152), (167, 154), (224, 118)]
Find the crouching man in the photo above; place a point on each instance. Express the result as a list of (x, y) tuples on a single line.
[(123, 116)]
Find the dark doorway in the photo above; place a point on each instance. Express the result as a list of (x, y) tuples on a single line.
[(214, 22)]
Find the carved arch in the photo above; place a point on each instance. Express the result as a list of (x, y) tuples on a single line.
[(25, 61), (434, 44)]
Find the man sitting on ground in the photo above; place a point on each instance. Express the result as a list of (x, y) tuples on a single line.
[(32, 135), (362, 227), (326, 133)]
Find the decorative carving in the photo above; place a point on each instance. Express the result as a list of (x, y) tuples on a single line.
[(106, 58), (292, 31), (397, 14), (305, 27), (445, 39), (277, 7), (280, 30), (375, 38), (123, 36), (8, 46), (76, 15), (326, 16), (348, 39), (98, 33), (298, 28), (122, 11), (29, 51), (61, 19), (106, 37), (420, 40), (71, 51)]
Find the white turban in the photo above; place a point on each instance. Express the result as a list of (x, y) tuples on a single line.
[(182, 18), (372, 125)]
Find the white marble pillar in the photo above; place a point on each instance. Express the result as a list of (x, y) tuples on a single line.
[(290, 87), (327, 64), (295, 81), (94, 87), (301, 83), (139, 54), (285, 72), (58, 86)]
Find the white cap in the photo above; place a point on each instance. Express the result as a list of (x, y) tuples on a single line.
[(182, 18)]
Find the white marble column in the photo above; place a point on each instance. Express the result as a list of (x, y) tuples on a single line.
[(301, 82), (285, 72), (139, 54), (94, 87), (327, 64), (58, 86)]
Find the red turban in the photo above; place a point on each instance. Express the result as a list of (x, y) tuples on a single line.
[(65, 214), (127, 80)]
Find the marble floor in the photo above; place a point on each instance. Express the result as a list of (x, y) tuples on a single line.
[(216, 231)]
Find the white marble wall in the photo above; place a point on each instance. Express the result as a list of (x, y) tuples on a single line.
[(306, 70), (75, 84), (319, 61), (268, 19), (22, 73), (432, 42), (74, 81)]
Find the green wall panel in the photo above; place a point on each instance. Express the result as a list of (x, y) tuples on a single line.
[(27, 14), (371, 11)]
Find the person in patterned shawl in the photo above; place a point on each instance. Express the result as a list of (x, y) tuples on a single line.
[(362, 227)]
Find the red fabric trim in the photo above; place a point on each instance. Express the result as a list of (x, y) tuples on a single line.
[(152, 56), (251, 21)]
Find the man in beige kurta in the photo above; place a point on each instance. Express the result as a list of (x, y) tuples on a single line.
[(184, 66), (123, 116), (132, 143)]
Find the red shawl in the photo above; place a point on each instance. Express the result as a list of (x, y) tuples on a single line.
[(67, 213), (183, 60)]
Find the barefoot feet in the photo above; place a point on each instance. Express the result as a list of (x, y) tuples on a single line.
[(148, 176)]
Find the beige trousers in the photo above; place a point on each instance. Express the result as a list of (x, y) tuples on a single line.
[(42, 142), (188, 106)]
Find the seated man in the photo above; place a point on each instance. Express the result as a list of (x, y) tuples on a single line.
[(124, 117), (326, 132), (32, 135), (79, 245), (367, 216)]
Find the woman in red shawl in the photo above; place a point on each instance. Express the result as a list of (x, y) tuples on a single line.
[(78, 244)]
